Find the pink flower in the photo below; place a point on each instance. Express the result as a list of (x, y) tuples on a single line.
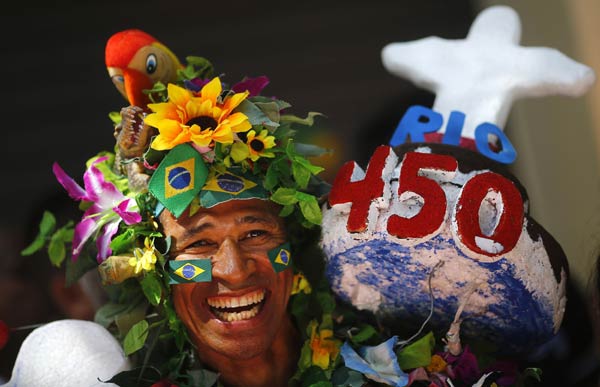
[(109, 207)]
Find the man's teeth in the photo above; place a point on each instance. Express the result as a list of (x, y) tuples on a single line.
[(245, 306), (237, 316)]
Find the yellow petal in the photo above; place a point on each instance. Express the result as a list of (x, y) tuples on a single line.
[(233, 101), (169, 128), (320, 358), (178, 95), (223, 134), (212, 90), (239, 152), (206, 108), (269, 155), (193, 109), (165, 109), (203, 138), (326, 333), (243, 127), (164, 143)]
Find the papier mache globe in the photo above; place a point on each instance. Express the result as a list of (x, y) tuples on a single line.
[(439, 225)]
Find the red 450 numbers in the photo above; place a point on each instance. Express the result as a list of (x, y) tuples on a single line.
[(502, 237)]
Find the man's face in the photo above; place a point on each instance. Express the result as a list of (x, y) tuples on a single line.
[(239, 312)]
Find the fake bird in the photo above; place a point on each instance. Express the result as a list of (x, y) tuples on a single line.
[(136, 61)]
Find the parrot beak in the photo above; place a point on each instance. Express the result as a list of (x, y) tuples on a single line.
[(134, 82)]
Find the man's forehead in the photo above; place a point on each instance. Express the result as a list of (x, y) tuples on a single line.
[(238, 211)]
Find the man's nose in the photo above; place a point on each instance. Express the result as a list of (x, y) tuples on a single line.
[(230, 265)]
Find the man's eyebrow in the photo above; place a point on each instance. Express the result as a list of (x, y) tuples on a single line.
[(256, 219), (191, 232)]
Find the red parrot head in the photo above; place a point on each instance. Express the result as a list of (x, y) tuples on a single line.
[(136, 61)]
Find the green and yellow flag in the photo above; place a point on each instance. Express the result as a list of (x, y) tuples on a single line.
[(189, 271), (178, 178), (222, 187), (281, 257)]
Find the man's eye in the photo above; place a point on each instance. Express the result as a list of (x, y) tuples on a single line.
[(255, 234), (200, 243)]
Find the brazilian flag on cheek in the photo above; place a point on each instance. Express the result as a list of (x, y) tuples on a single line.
[(179, 178)]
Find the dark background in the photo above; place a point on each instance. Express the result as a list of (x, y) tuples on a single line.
[(320, 56)]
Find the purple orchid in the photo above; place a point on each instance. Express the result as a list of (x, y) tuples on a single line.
[(109, 207)]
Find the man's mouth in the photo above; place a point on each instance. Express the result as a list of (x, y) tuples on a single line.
[(237, 308)]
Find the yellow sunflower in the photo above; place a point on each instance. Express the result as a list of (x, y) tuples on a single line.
[(258, 146), (198, 118)]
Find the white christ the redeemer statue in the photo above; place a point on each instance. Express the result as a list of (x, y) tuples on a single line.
[(482, 74)]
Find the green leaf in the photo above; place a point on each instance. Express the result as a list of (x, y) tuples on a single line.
[(203, 377), (364, 334), (313, 375), (284, 196), (141, 376), (310, 150), (36, 245), (345, 377), (136, 337), (417, 354), (107, 313), (132, 316), (314, 169), (310, 208), (115, 117), (301, 175), (204, 68), (67, 232), (262, 99), (271, 177), (47, 225), (534, 373), (305, 360), (56, 248), (286, 210), (123, 242), (271, 110), (152, 288), (309, 120), (256, 116), (326, 302)]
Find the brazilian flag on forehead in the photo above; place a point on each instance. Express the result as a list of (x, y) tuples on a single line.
[(222, 186), (178, 178)]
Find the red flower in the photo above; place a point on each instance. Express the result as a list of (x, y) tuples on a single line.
[(4, 334)]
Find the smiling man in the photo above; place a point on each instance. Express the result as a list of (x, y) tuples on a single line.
[(195, 220), (238, 321)]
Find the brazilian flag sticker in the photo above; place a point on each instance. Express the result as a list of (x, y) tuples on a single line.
[(190, 271), (221, 187), (179, 178), (280, 257)]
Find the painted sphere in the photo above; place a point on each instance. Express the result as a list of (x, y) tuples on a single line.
[(509, 274)]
